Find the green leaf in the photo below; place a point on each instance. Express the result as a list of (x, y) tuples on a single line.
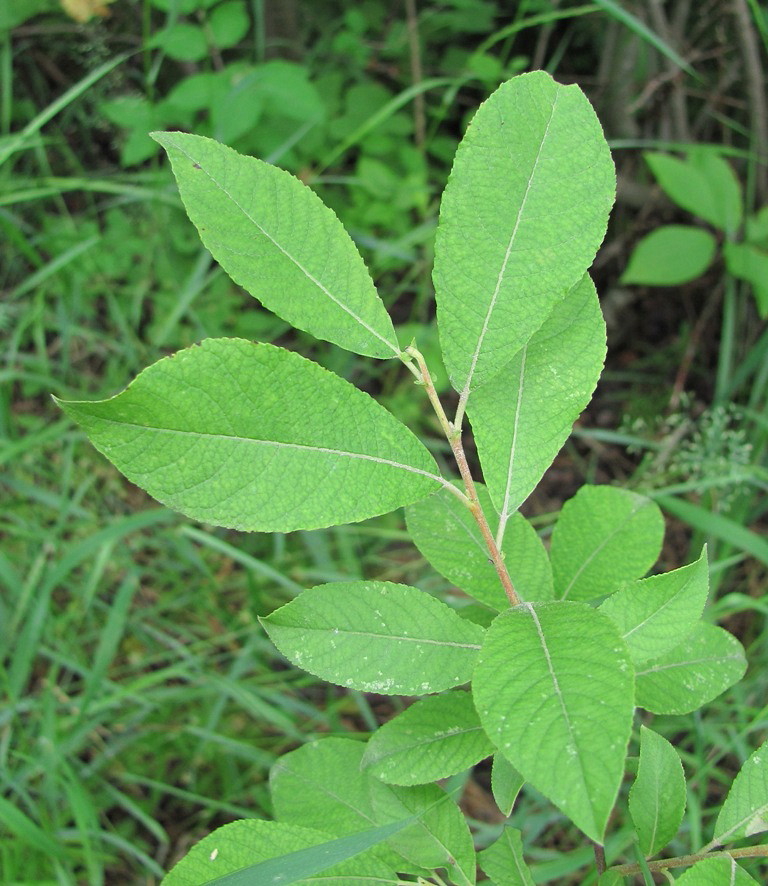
[(254, 851), (377, 637), (704, 184), (503, 860), (522, 417), (535, 170), (657, 798), (446, 533), (553, 687), (745, 810), (254, 437), (436, 737), (506, 783), (322, 785), (277, 240), (229, 23), (182, 42), (655, 613), (441, 837), (716, 872), (604, 536), (748, 262), (670, 255), (706, 663)]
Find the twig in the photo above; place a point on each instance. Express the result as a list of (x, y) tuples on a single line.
[(682, 861)]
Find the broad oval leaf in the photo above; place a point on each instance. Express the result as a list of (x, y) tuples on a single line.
[(254, 437), (670, 255), (278, 240), (446, 533), (503, 860), (554, 689), (277, 852), (377, 637), (657, 798), (434, 738), (603, 537), (521, 218), (706, 663), (745, 811), (716, 872), (654, 614), (522, 417)]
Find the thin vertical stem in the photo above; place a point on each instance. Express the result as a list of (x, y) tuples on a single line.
[(453, 435)]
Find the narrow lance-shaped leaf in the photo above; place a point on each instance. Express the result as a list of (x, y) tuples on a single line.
[(434, 738), (506, 783), (603, 537), (654, 614), (445, 531), (657, 798), (523, 416), (745, 811), (554, 689), (276, 239), (251, 436), (525, 208), (377, 637), (706, 663)]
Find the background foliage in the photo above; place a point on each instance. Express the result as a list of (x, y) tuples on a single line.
[(143, 706)]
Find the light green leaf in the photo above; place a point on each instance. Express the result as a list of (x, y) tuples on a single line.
[(280, 853), (535, 170), (554, 687), (750, 263), (704, 184), (278, 240), (654, 614), (506, 783), (446, 533), (657, 798), (377, 637), (522, 417), (745, 811), (229, 23), (503, 860), (436, 737), (716, 872), (254, 437), (670, 255), (706, 663), (441, 837), (603, 537)]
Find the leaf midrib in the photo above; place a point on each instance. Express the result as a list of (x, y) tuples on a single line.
[(395, 350), (343, 632), (299, 446)]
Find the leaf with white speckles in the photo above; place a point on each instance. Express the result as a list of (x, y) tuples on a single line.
[(254, 437), (654, 614), (276, 239), (604, 536), (745, 810), (377, 637), (554, 687), (524, 211), (522, 417), (436, 737), (706, 663), (445, 531)]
